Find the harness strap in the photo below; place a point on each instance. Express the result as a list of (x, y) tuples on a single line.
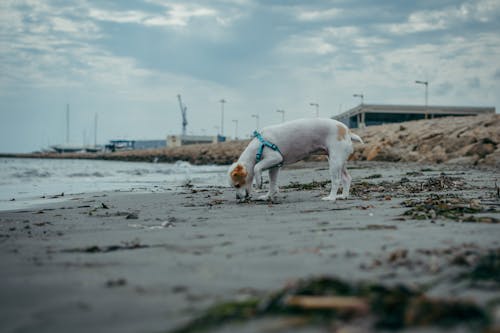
[(265, 143)]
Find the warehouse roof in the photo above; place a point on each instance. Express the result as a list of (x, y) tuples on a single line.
[(374, 114)]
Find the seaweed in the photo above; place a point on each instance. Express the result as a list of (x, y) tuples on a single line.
[(487, 269), (327, 300), (221, 314), (401, 187), (448, 207), (134, 245), (314, 185)]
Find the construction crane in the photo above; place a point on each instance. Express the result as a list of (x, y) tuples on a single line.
[(183, 111)]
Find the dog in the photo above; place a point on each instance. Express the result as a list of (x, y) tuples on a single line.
[(288, 143)]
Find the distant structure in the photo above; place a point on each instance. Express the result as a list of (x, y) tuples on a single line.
[(115, 145), (377, 114), (119, 145), (182, 140), (149, 144), (184, 116)]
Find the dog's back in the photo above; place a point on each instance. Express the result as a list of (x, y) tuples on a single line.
[(299, 138)]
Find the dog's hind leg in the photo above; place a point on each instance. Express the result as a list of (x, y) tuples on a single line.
[(335, 174), (346, 183)]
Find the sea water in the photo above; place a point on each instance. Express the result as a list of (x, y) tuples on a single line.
[(24, 182)]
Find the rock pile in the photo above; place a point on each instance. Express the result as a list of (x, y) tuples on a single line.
[(459, 140)]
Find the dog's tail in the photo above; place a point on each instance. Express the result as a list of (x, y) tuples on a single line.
[(355, 137)]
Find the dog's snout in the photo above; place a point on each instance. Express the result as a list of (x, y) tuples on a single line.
[(242, 195), (237, 185)]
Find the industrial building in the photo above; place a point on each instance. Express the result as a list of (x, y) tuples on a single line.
[(182, 140), (376, 114)]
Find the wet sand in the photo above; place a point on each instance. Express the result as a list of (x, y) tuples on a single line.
[(151, 262)]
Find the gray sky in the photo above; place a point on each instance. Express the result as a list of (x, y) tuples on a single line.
[(127, 61)]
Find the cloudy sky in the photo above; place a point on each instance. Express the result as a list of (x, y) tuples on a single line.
[(127, 60)]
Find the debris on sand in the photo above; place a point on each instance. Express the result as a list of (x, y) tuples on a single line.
[(402, 187), (448, 207), (116, 283), (405, 186), (486, 271), (132, 216), (314, 185), (134, 245), (327, 301)]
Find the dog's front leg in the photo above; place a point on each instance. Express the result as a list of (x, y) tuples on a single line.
[(268, 162), (273, 184)]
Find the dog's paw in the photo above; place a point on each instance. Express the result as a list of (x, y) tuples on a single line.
[(332, 198), (342, 197), (264, 197)]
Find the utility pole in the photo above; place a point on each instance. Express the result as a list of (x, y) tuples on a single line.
[(282, 115), (426, 83), (361, 96), (256, 116), (235, 121), (317, 108), (222, 101)]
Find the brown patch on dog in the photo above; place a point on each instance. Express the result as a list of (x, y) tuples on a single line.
[(341, 132), (239, 175)]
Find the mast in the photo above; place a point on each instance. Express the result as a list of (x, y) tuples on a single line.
[(67, 123), (95, 130)]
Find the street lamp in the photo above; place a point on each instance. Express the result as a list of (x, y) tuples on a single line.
[(235, 121), (282, 115), (361, 96), (256, 116), (317, 108), (426, 83), (222, 101)]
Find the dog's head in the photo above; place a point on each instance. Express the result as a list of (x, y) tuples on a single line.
[(238, 179)]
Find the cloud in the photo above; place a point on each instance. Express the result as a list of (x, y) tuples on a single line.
[(175, 15), (496, 75), (441, 19), (317, 15), (474, 83), (130, 59)]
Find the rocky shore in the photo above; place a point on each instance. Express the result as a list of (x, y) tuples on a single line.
[(451, 140)]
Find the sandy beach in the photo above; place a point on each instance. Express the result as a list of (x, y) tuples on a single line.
[(153, 262)]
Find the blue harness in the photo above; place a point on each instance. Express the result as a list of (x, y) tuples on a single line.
[(265, 143)]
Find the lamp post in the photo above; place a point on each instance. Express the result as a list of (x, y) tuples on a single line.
[(361, 116), (317, 108), (235, 121), (361, 96), (282, 115), (222, 101), (426, 83), (256, 116)]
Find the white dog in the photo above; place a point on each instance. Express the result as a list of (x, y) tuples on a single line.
[(291, 142)]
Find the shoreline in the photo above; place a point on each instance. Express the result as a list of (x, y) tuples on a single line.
[(473, 140), (128, 262)]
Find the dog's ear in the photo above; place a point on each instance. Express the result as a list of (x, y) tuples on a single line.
[(239, 172)]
